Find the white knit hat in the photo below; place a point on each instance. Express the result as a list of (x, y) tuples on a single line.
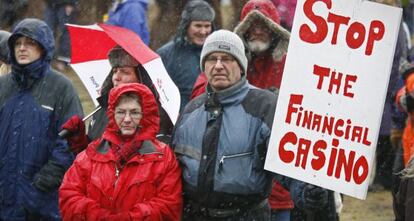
[(227, 42)]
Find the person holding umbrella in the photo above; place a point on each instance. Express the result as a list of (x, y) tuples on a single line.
[(125, 69), (127, 174)]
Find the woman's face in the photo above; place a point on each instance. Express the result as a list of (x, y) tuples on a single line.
[(128, 114)]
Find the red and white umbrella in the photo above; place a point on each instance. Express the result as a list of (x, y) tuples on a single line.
[(90, 46)]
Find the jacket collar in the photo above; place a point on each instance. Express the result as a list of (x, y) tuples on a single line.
[(231, 95)]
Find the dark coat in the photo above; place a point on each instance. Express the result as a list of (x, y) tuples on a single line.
[(182, 61), (34, 102), (404, 203)]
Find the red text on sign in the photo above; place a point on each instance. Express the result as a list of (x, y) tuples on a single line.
[(336, 80), (356, 34), (339, 161)]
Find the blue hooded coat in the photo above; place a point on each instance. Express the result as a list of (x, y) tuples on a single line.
[(34, 102), (131, 14)]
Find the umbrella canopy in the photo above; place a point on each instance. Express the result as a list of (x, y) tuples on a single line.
[(90, 46)]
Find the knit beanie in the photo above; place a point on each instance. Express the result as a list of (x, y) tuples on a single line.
[(118, 57), (4, 49), (227, 42)]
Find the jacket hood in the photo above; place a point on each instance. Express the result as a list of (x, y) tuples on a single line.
[(4, 49), (150, 119), (265, 11), (37, 30)]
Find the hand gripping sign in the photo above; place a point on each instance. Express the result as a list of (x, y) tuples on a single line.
[(326, 124)]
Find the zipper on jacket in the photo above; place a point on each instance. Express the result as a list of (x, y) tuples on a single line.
[(232, 156), (116, 174)]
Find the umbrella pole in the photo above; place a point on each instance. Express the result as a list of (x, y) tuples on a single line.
[(64, 133)]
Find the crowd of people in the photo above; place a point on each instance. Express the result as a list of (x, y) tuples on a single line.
[(131, 163)]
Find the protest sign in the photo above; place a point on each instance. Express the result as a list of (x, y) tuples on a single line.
[(332, 94)]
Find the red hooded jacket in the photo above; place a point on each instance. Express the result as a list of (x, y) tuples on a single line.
[(148, 187)]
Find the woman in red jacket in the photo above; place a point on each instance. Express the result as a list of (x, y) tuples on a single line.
[(126, 174)]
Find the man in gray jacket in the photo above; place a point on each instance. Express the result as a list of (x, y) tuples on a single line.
[(221, 140)]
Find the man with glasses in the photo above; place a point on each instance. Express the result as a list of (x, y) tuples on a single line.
[(221, 139)]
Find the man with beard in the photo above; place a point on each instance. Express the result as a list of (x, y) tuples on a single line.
[(267, 43)]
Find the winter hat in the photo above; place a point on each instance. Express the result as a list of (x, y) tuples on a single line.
[(227, 42), (4, 49), (118, 57), (197, 10), (266, 7)]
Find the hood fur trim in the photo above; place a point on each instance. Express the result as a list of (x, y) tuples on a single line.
[(279, 32)]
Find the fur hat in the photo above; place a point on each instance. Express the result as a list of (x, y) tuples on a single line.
[(195, 10), (227, 42), (4, 49), (118, 57)]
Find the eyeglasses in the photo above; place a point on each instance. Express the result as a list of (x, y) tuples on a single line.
[(121, 114), (226, 60)]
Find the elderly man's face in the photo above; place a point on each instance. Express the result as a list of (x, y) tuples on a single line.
[(198, 31), (122, 75), (258, 37), (222, 70), (26, 50)]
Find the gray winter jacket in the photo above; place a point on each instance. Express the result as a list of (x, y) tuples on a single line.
[(221, 140)]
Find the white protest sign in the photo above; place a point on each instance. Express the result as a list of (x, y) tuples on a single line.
[(332, 94)]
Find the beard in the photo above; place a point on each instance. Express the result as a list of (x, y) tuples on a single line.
[(257, 46)]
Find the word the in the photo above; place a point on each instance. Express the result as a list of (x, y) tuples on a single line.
[(335, 80)]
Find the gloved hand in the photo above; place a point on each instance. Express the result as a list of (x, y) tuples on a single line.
[(124, 153), (314, 197), (49, 177), (77, 138)]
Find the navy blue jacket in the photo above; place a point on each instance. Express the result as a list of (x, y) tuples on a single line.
[(182, 61), (34, 102)]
